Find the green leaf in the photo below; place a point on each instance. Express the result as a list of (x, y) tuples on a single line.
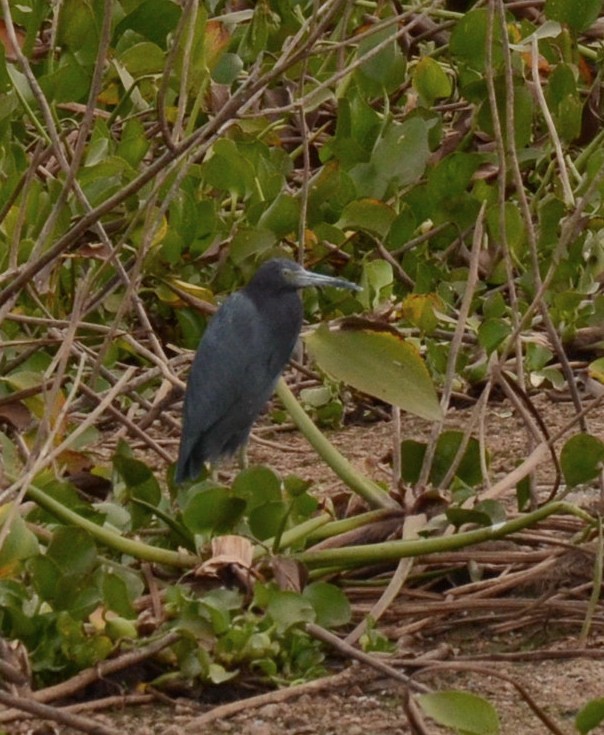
[(267, 520), (486, 513), (402, 228), (288, 609), (370, 215), (385, 71), (142, 59), (515, 232), (469, 40), (492, 333), (590, 716), (73, 551), (228, 169), (523, 113), (282, 216), (133, 143), (77, 26), (257, 486), (596, 370), (452, 176), (577, 14), (357, 128), (120, 588), (140, 484), (398, 159), (152, 19), (19, 544), (248, 242), (381, 364), (581, 458), (462, 711), (468, 470), (227, 68), (330, 604), (212, 510), (377, 282), (431, 81)]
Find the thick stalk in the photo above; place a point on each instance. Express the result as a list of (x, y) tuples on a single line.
[(112, 539), (370, 491), (395, 550)]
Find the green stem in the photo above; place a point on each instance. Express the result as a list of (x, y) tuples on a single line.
[(335, 528), (110, 538), (299, 533), (363, 486), (395, 550)]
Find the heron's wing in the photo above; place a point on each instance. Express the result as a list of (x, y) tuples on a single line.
[(232, 376)]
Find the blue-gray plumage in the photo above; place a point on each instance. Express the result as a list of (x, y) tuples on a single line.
[(238, 362)]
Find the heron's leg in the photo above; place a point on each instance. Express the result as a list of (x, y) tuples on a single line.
[(242, 456), (212, 470)]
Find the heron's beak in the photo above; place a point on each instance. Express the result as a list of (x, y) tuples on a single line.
[(303, 278)]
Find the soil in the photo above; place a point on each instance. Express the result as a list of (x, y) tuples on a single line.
[(560, 671)]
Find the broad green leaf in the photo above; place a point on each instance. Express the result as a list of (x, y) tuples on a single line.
[(523, 113), (19, 544), (398, 159), (515, 232), (120, 588), (212, 510), (140, 484), (329, 191), (596, 370), (381, 364), (119, 628), (492, 333), (143, 58), (452, 176), (581, 458), (330, 604), (282, 215), (77, 26), (357, 128), (257, 486), (288, 609), (133, 142), (384, 71), (267, 520), (367, 214), (431, 80), (402, 229), (578, 14), (464, 712), (590, 716), (468, 470), (73, 551), (227, 69), (228, 169), (152, 19), (115, 596), (377, 283), (549, 29), (248, 242), (569, 117), (486, 513), (469, 40)]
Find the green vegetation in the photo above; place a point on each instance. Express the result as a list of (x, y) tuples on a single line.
[(152, 153)]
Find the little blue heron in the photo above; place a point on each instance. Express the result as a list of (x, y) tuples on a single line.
[(238, 362)]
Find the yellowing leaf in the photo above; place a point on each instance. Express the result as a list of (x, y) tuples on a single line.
[(419, 309), (381, 364)]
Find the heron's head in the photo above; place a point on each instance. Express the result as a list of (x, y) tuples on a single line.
[(282, 274)]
